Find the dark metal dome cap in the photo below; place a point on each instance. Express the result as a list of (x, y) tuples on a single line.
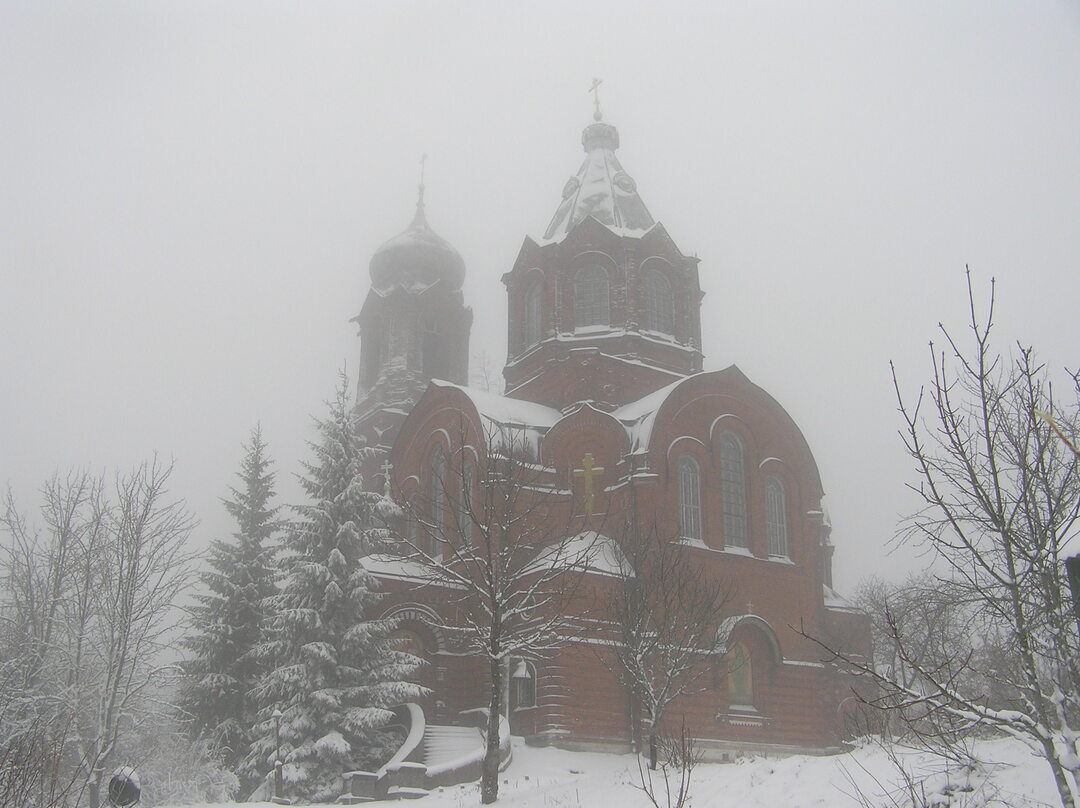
[(600, 135), (417, 259)]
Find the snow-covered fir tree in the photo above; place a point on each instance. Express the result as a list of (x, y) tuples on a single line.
[(228, 620), (336, 670)]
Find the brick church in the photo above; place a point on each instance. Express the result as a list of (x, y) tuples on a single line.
[(604, 375)]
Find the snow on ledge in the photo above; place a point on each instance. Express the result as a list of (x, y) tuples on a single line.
[(834, 600)]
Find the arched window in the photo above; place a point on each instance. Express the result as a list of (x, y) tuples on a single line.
[(438, 501), (465, 504), (591, 302), (534, 299), (776, 517), (740, 676), (410, 642), (689, 482), (733, 485), (659, 305)]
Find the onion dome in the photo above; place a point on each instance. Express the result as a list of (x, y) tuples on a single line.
[(600, 189), (416, 259)]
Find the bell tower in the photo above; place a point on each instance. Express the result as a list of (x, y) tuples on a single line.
[(414, 326), (605, 307)]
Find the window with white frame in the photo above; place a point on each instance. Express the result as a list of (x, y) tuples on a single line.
[(534, 299), (689, 483), (592, 304), (733, 487), (659, 304), (776, 533)]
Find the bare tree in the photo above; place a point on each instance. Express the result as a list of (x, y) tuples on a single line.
[(34, 747), (485, 375), (666, 614), (671, 789), (486, 533), (93, 604), (938, 627), (1001, 494)]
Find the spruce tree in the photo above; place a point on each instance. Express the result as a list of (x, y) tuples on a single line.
[(336, 671), (228, 619)]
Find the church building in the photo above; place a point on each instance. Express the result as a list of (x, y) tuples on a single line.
[(604, 379)]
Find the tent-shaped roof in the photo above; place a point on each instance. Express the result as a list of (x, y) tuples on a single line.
[(601, 189)]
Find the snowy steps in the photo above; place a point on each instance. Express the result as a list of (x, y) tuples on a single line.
[(445, 743)]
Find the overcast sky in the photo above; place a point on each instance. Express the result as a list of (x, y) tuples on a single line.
[(190, 194)]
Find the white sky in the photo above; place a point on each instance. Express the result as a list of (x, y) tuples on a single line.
[(190, 194)]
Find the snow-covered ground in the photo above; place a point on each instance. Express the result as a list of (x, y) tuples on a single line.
[(549, 778)]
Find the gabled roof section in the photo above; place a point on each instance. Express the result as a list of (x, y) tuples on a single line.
[(601, 189), (503, 410), (639, 417), (508, 423)]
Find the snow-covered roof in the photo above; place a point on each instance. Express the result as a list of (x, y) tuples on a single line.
[(834, 600), (588, 551), (601, 189), (509, 422), (505, 410), (389, 566), (639, 416)]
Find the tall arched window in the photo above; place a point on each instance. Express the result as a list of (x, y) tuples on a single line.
[(733, 485), (591, 301), (465, 504), (438, 501), (659, 304), (534, 299), (689, 481), (776, 517), (740, 676)]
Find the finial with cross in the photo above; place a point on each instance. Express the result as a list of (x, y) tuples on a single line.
[(595, 90), (423, 160), (586, 473)]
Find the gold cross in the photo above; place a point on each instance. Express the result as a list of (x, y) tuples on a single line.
[(587, 472), (595, 90)]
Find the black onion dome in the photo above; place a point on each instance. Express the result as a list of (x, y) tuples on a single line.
[(416, 259)]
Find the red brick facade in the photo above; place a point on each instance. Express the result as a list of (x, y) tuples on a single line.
[(619, 378)]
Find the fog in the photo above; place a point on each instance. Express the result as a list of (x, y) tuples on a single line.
[(190, 194)]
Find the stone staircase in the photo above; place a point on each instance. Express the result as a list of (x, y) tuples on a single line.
[(433, 755), (443, 745)]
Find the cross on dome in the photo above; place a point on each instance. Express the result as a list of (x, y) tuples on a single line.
[(595, 90), (601, 189), (420, 199)]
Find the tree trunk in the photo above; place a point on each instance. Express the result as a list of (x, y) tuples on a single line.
[(489, 781), (93, 790), (652, 747), (1060, 780)]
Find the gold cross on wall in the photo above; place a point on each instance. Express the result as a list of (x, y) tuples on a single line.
[(586, 473)]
